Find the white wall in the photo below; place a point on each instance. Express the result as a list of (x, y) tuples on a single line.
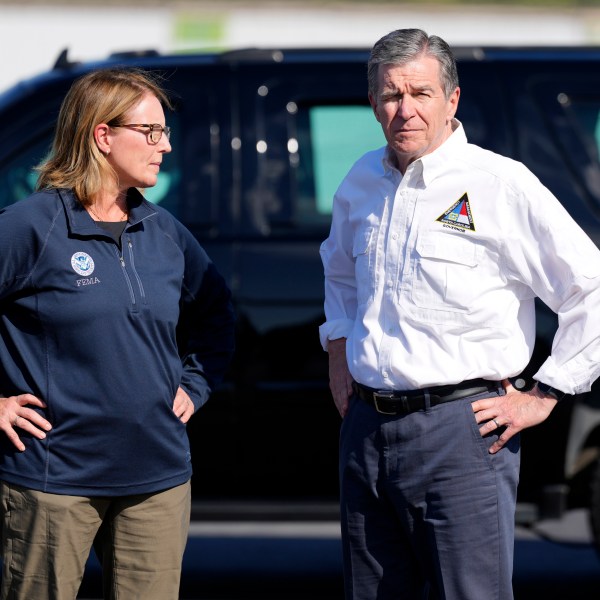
[(31, 37)]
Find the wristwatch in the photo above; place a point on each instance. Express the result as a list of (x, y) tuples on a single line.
[(550, 391), (522, 383)]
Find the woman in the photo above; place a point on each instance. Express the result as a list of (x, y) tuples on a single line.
[(114, 326)]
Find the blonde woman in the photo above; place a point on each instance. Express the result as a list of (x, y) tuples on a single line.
[(96, 387)]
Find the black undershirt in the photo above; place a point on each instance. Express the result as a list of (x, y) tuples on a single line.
[(114, 228)]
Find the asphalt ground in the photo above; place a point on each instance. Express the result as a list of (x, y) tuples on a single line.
[(555, 560)]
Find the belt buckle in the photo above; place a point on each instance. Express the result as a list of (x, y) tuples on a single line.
[(382, 395)]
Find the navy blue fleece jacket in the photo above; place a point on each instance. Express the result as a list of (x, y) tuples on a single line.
[(105, 336)]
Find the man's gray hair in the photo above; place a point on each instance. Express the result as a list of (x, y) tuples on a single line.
[(405, 45)]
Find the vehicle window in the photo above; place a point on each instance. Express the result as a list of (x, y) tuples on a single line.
[(297, 146), (482, 107), (17, 175), (575, 119), (585, 114), (331, 139), (588, 117), (340, 135)]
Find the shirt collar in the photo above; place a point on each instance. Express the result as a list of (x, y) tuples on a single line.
[(432, 164), (81, 223), (437, 161), (388, 161)]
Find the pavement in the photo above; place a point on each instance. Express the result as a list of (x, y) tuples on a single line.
[(254, 560)]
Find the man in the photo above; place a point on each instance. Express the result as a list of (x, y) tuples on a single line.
[(436, 252)]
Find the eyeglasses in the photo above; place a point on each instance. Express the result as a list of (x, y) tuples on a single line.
[(154, 131)]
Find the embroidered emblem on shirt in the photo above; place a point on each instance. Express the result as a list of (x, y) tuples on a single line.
[(459, 216), (82, 263)]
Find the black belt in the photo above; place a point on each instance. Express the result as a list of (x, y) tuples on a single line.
[(391, 402)]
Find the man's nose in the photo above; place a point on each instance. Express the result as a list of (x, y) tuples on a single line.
[(406, 107)]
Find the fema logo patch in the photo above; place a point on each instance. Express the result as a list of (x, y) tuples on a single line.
[(82, 263)]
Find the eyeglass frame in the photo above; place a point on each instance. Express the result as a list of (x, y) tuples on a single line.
[(151, 127)]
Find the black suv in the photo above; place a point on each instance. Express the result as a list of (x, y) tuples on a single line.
[(261, 139)]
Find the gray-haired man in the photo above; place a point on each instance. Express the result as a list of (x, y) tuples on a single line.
[(436, 252)]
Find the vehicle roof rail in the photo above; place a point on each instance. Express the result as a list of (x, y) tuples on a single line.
[(134, 54)]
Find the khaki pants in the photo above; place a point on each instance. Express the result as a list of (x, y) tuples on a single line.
[(46, 540)]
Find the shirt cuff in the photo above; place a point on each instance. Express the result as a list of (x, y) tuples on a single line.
[(562, 379), (334, 330)]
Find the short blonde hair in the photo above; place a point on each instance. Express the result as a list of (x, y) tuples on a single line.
[(101, 96)]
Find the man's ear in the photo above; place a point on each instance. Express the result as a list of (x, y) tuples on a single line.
[(102, 137), (453, 104), (373, 102)]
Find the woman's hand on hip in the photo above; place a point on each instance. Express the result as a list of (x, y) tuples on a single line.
[(183, 407), (15, 414)]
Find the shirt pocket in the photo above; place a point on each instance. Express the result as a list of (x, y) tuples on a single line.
[(446, 273), (363, 254)]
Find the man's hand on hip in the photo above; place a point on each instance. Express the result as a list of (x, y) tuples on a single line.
[(515, 411), (340, 380)]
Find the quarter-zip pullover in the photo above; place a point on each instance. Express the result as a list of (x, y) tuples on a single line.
[(105, 336)]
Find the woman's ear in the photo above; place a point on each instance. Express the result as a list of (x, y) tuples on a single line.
[(102, 137)]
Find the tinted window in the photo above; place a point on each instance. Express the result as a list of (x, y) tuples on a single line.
[(17, 175), (333, 138), (583, 114), (560, 135), (340, 135), (301, 129), (482, 108)]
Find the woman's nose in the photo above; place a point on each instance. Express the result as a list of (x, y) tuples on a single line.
[(165, 144)]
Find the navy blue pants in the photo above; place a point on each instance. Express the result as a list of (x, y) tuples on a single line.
[(427, 512)]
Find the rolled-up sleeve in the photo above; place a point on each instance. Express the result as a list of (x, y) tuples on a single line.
[(561, 264), (340, 281)]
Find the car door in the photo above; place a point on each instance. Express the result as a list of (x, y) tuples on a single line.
[(302, 123)]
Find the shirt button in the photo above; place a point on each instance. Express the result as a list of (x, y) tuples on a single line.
[(395, 236), (384, 374), (390, 283)]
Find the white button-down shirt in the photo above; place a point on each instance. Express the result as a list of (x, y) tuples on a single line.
[(432, 275)]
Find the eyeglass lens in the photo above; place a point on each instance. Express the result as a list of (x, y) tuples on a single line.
[(156, 132)]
